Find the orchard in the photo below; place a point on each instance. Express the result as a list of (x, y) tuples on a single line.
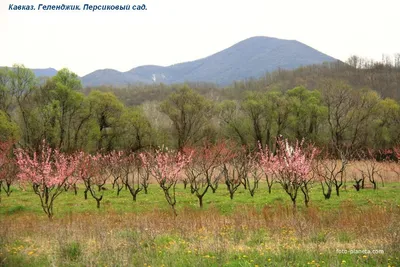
[(182, 203)]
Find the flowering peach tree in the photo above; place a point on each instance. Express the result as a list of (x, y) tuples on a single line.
[(8, 167), (204, 170), (48, 171), (115, 162), (267, 162), (292, 165), (235, 170), (133, 174), (166, 167), (92, 170), (255, 173)]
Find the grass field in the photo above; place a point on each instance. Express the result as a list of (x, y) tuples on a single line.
[(354, 229)]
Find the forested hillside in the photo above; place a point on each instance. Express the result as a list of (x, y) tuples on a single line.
[(382, 77), (331, 105)]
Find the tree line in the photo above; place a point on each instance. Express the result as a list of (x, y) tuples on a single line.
[(335, 116)]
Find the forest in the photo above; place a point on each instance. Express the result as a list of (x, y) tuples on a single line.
[(350, 106)]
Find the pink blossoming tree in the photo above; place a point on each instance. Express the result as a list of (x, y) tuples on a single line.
[(48, 171), (292, 166), (134, 174), (92, 170), (8, 167), (267, 162), (166, 167), (115, 161), (204, 170), (255, 173), (235, 170)]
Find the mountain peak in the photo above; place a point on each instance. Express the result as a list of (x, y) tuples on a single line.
[(252, 57)]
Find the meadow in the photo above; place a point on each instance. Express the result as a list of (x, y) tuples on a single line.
[(354, 229)]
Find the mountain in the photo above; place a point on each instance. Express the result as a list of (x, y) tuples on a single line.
[(250, 58), (49, 72)]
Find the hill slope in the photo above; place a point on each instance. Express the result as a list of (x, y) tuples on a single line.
[(252, 57), (49, 72)]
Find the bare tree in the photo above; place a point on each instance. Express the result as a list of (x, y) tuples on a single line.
[(330, 173), (371, 169)]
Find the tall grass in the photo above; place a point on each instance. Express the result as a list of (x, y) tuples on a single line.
[(204, 237), (247, 231)]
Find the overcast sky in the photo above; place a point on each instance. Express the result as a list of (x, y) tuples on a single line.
[(173, 31)]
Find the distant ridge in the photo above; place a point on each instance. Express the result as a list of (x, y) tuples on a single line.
[(252, 57), (49, 72)]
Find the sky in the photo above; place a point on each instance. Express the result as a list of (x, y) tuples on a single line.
[(174, 31)]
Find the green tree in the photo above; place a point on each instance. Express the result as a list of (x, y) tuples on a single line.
[(190, 113), (236, 125), (22, 83), (340, 100), (306, 113), (8, 129), (386, 127), (257, 108), (5, 91), (136, 132), (68, 79), (106, 109), (66, 84)]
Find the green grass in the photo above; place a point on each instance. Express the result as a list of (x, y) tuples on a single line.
[(26, 201), (246, 231)]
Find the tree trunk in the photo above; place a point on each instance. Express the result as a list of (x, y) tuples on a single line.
[(327, 195), (375, 186), (306, 196), (174, 210), (357, 186), (244, 185), (85, 193), (200, 201), (8, 190), (337, 189), (119, 189), (269, 189), (252, 192)]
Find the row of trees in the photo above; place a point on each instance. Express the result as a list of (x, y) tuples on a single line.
[(335, 115), (296, 167)]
